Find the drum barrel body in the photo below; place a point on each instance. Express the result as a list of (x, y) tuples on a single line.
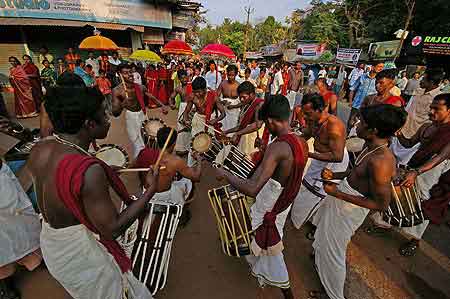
[(151, 254), (232, 212), (405, 208)]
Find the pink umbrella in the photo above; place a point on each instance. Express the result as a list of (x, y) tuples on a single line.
[(218, 50)]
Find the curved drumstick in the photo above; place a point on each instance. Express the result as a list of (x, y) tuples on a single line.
[(124, 85), (163, 150), (209, 126)]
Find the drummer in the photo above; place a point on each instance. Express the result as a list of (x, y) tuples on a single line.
[(205, 103), (275, 185), (130, 96), (426, 166), (228, 90), (183, 91), (249, 126), (168, 188), (366, 187), (329, 152)]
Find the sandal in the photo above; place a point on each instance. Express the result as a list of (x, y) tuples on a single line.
[(377, 230), (409, 249)]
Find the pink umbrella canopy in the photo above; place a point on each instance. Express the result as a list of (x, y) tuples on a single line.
[(218, 50)]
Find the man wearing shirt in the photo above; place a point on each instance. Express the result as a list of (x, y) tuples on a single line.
[(213, 77), (411, 87), (277, 83), (364, 86), (255, 70), (355, 74), (93, 62), (342, 75), (295, 84), (44, 55)]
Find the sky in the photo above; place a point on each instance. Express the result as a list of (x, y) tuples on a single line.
[(234, 9)]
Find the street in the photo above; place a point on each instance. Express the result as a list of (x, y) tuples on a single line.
[(199, 269)]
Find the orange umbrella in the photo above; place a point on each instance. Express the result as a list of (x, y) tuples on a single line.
[(98, 42), (177, 47)]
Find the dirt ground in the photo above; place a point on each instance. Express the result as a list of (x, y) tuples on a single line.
[(199, 269)]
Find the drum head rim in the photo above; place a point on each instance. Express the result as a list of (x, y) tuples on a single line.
[(203, 147), (121, 149)]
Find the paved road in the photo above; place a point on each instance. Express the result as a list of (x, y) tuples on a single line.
[(198, 268)]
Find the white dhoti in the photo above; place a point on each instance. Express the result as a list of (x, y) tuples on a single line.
[(183, 138), (177, 194), (424, 183), (247, 142), (20, 226), (134, 122), (311, 194), (84, 267), (291, 95), (231, 119), (338, 222), (269, 269), (402, 153)]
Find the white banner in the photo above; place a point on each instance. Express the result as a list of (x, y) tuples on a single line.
[(348, 56)]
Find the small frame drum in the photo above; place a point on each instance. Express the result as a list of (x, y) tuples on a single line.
[(405, 209), (151, 255), (206, 145), (113, 155), (232, 211), (149, 131)]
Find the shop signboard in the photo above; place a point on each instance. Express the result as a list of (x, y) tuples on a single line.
[(438, 45), (310, 50), (130, 12), (348, 56)]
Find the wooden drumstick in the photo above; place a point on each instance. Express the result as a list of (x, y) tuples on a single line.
[(163, 150), (124, 86), (209, 126), (138, 169)]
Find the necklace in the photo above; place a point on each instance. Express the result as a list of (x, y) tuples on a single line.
[(364, 153), (71, 144)]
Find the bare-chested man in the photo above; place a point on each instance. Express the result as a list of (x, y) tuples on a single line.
[(275, 185), (329, 152), (205, 103), (74, 199), (250, 127), (385, 81), (230, 98), (183, 91), (131, 98), (366, 187), (428, 163), (329, 96)]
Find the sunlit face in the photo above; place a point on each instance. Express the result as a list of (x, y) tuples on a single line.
[(416, 76), (26, 59), (311, 116), (199, 93), (196, 72), (127, 75), (378, 67), (439, 112), (320, 85), (384, 85), (212, 67), (253, 64), (298, 66), (13, 62), (246, 97), (46, 64), (231, 75)]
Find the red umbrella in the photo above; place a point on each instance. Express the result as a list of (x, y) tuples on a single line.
[(177, 47), (218, 50)]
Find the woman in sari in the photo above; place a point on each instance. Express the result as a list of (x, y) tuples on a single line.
[(35, 80), (48, 75), (23, 97)]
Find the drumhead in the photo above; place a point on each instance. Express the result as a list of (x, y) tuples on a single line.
[(112, 155), (152, 126), (201, 143), (355, 144)]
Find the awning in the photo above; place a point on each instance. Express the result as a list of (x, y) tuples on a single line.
[(67, 23), (153, 36)]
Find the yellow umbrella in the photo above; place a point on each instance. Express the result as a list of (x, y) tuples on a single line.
[(145, 55), (98, 42)]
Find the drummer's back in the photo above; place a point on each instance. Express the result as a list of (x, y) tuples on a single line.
[(42, 163)]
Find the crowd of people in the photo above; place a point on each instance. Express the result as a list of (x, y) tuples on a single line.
[(268, 112)]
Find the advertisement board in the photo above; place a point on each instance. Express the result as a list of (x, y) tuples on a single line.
[(310, 50), (348, 56), (131, 12)]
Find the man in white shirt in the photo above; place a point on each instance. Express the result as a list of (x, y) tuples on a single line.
[(311, 77), (342, 75), (402, 82), (322, 72), (355, 74), (92, 62), (277, 83), (255, 70), (114, 59), (213, 77)]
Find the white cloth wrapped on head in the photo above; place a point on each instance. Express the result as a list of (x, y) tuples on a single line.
[(84, 267), (311, 194), (338, 222), (133, 121), (268, 267)]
